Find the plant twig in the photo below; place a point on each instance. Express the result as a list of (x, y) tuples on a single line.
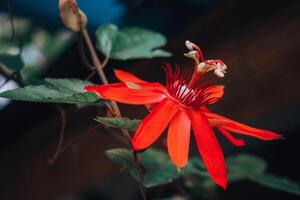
[(140, 169), (52, 161), (11, 18), (67, 146), (114, 105), (99, 68), (90, 75)]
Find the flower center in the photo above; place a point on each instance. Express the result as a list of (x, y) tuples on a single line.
[(182, 93), (177, 86), (184, 85)]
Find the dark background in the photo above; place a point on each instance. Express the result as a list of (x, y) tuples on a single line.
[(258, 41)]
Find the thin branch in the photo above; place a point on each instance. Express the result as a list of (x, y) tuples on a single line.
[(140, 169), (82, 54), (11, 19), (90, 75), (115, 107), (67, 146), (105, 61), (99, 68), (52, 161)]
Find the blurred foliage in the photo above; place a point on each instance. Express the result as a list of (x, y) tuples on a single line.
[(54, 91), (130, 125), (11, 64), (157, 165), (240, 167), (160, 170), (27, 50), (130, 43)]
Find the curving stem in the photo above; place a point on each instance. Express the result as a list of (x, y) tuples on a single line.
[(114, 106)]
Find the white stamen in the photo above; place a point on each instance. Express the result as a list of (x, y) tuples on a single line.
[(191, 54), (201, 66), (184, 90), (189, 45), (219, 73), (220, 69)]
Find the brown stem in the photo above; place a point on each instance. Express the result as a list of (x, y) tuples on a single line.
[(51, 161), (140, 169), (78, 138), (99, 68), (90, 75), (114, 105)]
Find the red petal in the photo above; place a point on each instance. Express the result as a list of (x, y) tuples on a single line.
[(237, 127), (233, 140), (154, 124), (127, 77), (121, 93), (179, 138), (214, 93), (209, 148)]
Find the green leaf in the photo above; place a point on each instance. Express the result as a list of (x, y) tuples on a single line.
[(276, 182), (157, 165), (121, 156), (10, 63), (246, 166), (130, 43), (246, 163), (130, 125), (29, 76), (238, 168), (70, 91)]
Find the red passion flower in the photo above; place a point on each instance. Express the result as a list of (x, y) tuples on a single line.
[(180, 106)]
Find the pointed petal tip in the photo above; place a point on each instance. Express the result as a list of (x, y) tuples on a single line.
[(279, 136), (240, 143), (136, 146), (222, 182), (179, 165), (90, 88), (273, 136), (224, 185), (127, 76)]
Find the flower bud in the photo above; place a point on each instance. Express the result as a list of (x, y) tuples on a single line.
[(72, 17)]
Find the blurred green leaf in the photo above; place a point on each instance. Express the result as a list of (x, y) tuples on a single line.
[(29, 76), (246, 163), (252, 167), (157, 165), (276, 182), (126, 123), (10, 63), (160, 170), (51, 44), (195, 166), (239, 167), (70, 91), (121, 156), (40, 47), (130, 43)]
